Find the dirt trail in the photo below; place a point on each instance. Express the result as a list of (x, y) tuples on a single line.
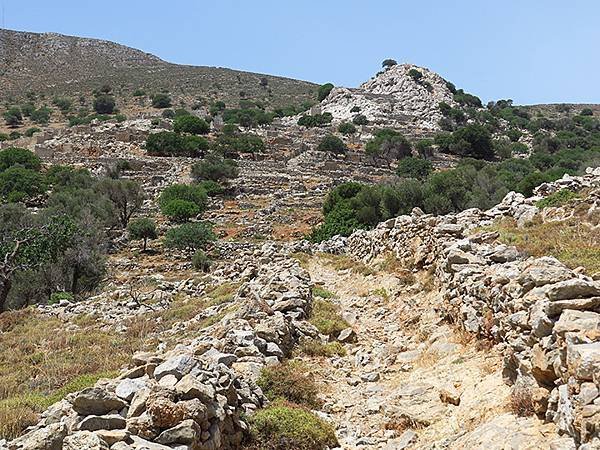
[(406, 367)]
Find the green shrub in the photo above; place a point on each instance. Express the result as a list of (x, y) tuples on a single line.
[(41, 116), (161, 101), (230, 143), (247, 117), (586, 112), (142, 229), (25, 158), (192, 194), (201, 261), (212, 188), (31, 131), (139, 92), (56, 297), (318, 291), (180, 210), (190, 124), (559, 198), (190, 236), (289, 381), (325, 316), (18, 183), (317, 120), (415, 74), (388, 63), (166, 143), (64, 104), (284, 427), (215, 168), (388, 144), (414, 168), (104, 104), (324, 91), (13, 116), (360, 119), (346, 128), (332, 144)]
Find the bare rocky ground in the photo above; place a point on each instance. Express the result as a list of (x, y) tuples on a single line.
[(410, 380)]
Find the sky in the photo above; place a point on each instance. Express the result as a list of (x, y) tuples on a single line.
[(532, 51)]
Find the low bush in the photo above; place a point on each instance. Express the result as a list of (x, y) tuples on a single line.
[(166, 143), (215, 168), (289, 381), (317, 120), (287, 426), (201, 261), (324, 91), (559, 198), (187, 196), (180, 210), (190, 124), (161, 101), (332, 144), (313, 347), (190, 236), (326, 318), (346, 128), (414, 168)]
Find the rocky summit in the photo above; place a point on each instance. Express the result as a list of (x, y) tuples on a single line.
[(195, 258)]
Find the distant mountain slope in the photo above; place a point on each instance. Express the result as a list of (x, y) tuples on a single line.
[(52, 63)]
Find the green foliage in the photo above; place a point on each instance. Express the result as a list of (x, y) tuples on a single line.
[(466, 99), (211, 187), (388, 144), (586, 112), (126, 195), (216, 168), (190, 236), (13, 116), (187, 193), (166, 143), (139, 92), (64, 104), (56, 297), (31, 131), (142, 229), (414, 168), (388, 63), (415, 74), (346, 128), (282, 427), (332, 144), (325, 316), (161, 101), (473, 140), (318, 120), (318, 291), (19, 156), (360, 119), (559, 198), (247, 117), (201, 261), (18, 183), (324, 91), (104, 104), (41, 116), (190, 124), (289, 381), (180, 210), (232, 144)]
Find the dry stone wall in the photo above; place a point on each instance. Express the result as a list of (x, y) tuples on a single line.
[(544, 316)]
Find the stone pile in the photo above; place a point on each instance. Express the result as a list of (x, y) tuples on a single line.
[(544, 316), (194, 396)]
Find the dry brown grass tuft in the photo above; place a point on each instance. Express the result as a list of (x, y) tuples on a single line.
[(571, 241), (344, 262), (521, 402)]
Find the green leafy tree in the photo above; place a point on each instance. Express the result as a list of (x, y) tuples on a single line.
[(104, 104), (414, 168), (388, 63), (126, 195), (216, 168), (180, 210), (18, 183), (346, 128), (190, 236), (13, 116), (360, 119), (41, 115), (142, 229), (28, 248), (324, 91), (389, 145), (25, 158), (161, 101), (190, 193), (190, 124), (332, 144)]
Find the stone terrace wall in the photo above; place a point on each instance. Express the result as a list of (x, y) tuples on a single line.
[(544, 316)]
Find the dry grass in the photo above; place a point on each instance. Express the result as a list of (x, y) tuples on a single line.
[(428, 358), (521, 402), (571, 241), (223, 293), (41, 362), (325, 316), (310, 347)]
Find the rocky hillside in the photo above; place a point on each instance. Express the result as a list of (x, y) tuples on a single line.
[(401, 95), (65, 65)]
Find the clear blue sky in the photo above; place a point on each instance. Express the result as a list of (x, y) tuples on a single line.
[(533, 51)]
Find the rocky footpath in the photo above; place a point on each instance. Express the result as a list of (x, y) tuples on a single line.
[(195, 395), (543, 316)]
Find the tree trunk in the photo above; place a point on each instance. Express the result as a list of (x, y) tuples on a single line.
[(145, 243), (5, 286)]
